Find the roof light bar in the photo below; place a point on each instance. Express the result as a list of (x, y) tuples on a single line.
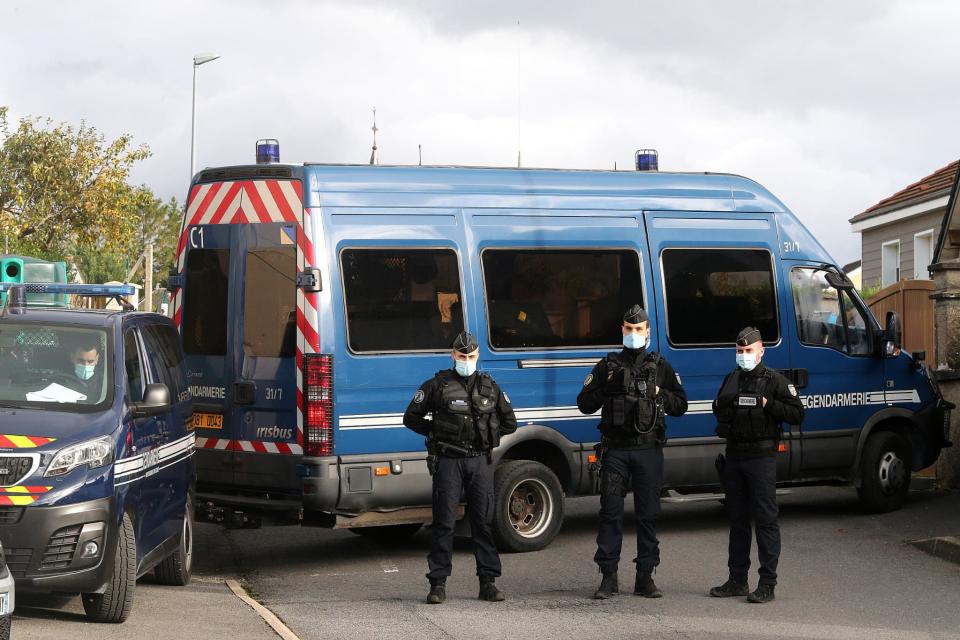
[(92, 290)]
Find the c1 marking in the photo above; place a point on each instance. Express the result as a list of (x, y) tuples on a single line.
[(196, 231)]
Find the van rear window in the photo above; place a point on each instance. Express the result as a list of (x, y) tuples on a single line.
[(714, 293), (270, 303), (205, 302), (546, 298), (401, 299)]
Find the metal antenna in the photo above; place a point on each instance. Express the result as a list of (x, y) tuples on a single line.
[(374, 155), (419, 155), (519, 163)]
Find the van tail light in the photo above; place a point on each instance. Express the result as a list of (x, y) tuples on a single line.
[(318, 404)]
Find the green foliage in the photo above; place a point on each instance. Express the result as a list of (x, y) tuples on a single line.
[(64, 194)]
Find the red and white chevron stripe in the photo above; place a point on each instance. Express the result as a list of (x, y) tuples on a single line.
[(251, 202)]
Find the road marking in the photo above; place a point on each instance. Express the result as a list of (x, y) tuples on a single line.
[(268, 616), (389, 567)]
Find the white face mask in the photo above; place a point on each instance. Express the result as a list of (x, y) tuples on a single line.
[(636, 341), (465, 368), (747, 361)]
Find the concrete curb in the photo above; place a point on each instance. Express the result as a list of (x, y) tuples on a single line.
[(946, 547), (268, 616)]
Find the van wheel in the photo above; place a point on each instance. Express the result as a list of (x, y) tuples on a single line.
[(388, 533), (528, 506), (115, 603), (177, 568), (5, 627), (885, 472)]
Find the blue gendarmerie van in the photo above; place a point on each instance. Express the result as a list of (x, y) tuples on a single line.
[(96, 446), (313, 300)]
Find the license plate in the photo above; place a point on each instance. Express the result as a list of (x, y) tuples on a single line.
[(207, 421), (4, 604)]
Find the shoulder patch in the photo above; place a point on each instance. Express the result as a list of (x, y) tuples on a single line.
[(589, 379), (793, 390), (418, 396), (505, 396)]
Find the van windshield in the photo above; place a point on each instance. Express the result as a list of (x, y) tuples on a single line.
[(54, 367)]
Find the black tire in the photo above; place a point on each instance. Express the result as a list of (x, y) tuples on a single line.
[(885, 472), (5, 622), (115, 604), (388, 533), (528, 506), (177, 568)]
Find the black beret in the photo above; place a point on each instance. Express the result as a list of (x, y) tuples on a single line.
[(748, 336), (635, 315), (465, 343)]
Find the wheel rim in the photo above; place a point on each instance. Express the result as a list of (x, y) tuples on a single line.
[(892, 473), (530, 508), (188, 539)]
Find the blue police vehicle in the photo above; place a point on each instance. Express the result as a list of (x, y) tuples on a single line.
[(313, 299), (96, 447)]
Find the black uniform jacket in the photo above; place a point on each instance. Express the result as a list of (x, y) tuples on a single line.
[(427, 400), (783, 404), (594, 394)]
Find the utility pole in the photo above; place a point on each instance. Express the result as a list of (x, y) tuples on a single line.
[(148, 277)]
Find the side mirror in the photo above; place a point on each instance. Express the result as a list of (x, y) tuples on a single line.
[(838, 281), (156, 401), (893, 335)]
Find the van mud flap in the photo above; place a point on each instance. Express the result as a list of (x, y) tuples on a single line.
[(929, 435)]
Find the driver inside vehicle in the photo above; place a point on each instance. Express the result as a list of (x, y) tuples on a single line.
[(85, 372)]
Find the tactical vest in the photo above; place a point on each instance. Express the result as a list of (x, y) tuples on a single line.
[(632, 413), (749, 422), (467, 419)]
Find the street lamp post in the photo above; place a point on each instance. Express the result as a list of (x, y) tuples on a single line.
[(199, 59)]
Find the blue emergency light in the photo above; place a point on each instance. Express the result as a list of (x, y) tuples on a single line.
[(268, 151), (92, 290), (647, 160)]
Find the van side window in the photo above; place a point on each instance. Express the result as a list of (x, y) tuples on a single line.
[(161, 342), (133, 366), (712, 294), (270, 302), (205, 302), (401, 299), (550, 298), (826, 316)]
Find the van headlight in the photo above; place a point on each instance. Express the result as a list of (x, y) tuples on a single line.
[(93, 453)]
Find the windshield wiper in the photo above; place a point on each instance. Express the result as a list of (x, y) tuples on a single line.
[(5, 405)]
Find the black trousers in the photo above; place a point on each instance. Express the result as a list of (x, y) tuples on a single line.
[(474, 477), (642, 471), (750, 484)]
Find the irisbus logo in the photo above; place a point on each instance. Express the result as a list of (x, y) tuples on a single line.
[(275, 433)]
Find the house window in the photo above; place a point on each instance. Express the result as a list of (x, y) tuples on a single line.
[(922, 254), (889, 263)]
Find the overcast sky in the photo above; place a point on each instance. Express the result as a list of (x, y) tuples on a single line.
[(831, 105)]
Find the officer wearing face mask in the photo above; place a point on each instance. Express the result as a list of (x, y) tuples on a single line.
[(750, 408), (84, 364), (633, 389), (469, 413)]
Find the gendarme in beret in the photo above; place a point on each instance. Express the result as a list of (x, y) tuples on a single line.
[(635, 315), (748, 336), (465, 343)]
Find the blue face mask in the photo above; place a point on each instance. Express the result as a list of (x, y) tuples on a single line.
[(747, 361), (465, 369), (84, 371), (636, 341)]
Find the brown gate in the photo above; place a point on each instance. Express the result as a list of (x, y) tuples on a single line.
[(911, 300)]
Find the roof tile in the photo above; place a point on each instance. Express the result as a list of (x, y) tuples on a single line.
[(942, 178)]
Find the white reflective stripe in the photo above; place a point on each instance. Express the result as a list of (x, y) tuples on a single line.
[(135, 464), (909, 395), (127, 479), (195, 203), (268, 202), (559, 362), (700, 406), (286, 187), (214, 204)]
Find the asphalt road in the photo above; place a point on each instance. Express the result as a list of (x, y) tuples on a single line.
[(843, 574)]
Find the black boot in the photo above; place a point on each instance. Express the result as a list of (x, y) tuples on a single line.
[(608, 587), (489, 591), (729, 589), (438, 592), (764, 593), (644, 586)]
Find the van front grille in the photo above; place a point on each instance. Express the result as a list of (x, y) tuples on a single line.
[(63, 544), (13, 469), (10, 515), (18, 560)]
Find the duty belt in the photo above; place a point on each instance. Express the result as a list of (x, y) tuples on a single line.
[(639, 442), (457, 451), (752, 446)]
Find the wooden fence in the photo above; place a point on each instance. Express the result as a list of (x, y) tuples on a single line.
[(911, 300)]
